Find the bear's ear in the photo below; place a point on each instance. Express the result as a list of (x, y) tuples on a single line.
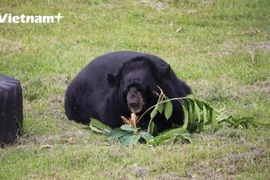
[(112, 80)]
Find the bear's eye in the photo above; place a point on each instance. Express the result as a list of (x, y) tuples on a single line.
[(125, 92)]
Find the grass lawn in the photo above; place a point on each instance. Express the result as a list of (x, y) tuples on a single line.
[(220, 48)]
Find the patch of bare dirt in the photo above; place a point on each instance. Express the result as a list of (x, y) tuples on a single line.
[(56, 108), (230, 47), (203, 170), (10, 46), (191, 11), (233, 162), (111, 4), (63, 79), (259, 46), (169, 176), (251, 32), (258, 87), (226, 168), (129, 172), (159, 5), (69, 135), (139, 171)]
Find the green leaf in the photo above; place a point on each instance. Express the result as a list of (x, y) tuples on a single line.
[(198, 102), (154, 112), (130, 128), (152, 128), (221, 117), (93, 128), (244, 122), (190, 112), (158, 140), (186, 117), (198, 111), (168, 109), (170, 136), (173, 132), (205, 115), (213, 119), (146, 136), (161, 108), (129, 139), (267, 125), (98, 126), (184, 138), (117, 133)]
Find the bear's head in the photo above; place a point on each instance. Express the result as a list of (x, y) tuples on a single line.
[(136, 81)]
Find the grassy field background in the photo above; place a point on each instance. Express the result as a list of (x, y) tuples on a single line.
[(220, 48)]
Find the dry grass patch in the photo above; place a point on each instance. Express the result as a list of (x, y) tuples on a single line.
[(260, 87), (228, 48), (9, 46)]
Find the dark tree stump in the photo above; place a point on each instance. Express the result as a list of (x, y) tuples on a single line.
[(11, 109)]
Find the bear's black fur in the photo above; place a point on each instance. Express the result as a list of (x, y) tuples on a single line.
[(113, 84)]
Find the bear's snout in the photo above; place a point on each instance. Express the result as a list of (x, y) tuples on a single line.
[(134, 100)]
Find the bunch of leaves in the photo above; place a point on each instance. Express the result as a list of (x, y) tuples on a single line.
[(197, 115), (128, 135)]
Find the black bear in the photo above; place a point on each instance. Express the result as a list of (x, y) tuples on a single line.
[(118, 83)]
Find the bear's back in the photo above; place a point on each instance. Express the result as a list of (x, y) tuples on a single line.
[(97, 69)]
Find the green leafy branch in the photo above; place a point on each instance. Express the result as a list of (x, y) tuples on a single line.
[(197, 115)]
